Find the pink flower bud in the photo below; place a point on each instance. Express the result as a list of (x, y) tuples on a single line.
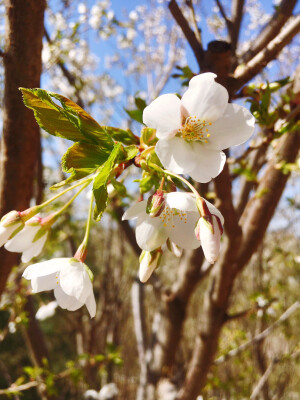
[(10, 224), (156, 204)]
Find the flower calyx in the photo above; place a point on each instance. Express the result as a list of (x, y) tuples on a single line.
[(156, 204)]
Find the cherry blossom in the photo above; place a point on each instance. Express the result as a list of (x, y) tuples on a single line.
[(70, 280), (193, 131)]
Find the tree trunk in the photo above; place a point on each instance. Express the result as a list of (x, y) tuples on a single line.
[(21, 136)]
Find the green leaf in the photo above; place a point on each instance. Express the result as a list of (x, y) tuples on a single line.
[(68, 120), (119, 187), (128, 153), (75, 175), (126, 137), (140, 103), (137, 115), (84, 157), (100, 182)]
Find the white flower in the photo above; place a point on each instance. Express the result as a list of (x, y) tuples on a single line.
[(70, 280), (176, 221), (108, 391), (193, 131), (9, 224), (209, 233), (91, 394), (46, 311), (30, 240), (149, 261)]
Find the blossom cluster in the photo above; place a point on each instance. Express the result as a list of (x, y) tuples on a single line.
[(188, 136)]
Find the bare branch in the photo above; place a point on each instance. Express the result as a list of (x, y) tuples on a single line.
[(263, 380), (196, 27), (226, 19), (269, 53), (188, 32), (271, 30), (232, 353), (236, 20)]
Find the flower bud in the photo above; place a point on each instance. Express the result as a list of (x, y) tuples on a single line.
[(149, 261), (10, 224), (156, 204), (209, 231), (173, 248)]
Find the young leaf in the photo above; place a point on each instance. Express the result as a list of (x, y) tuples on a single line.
[(84, 157), (137, 115), (120, 135), (100, 182), (128, 153), (68, 120)]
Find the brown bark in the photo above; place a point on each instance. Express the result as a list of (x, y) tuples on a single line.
[(20, 140)]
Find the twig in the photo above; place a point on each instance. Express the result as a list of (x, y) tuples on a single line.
[(226, 19), (188, 32), (273, 48), (259, 337), (236, 20), (263, 380), (196, 27), (271, 30)]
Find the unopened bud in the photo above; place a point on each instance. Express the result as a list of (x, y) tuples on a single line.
[(149, 261), (10, 225), (156, 204), (209, 232), (173, 248)]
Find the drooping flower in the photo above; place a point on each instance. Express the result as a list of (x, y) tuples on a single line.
[(149, 261), (9, 224), (176, 221), (70, 280), (193, 131), (30, 240)]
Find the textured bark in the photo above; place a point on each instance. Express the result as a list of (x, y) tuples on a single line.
[(20, 139)]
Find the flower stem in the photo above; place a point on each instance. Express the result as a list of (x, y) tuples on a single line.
[(183, 180), (81, 252), (87, 181), (52, 218)]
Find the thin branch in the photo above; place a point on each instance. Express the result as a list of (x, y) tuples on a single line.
[(226, 19), (232, 353), (272, 29), (188, 32), (263, 380), (269, 53), (236, 20), (194, 20)]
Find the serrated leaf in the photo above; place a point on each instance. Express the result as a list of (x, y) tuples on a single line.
[(137, 115), (68, 120), (120, 135), (100, 182)]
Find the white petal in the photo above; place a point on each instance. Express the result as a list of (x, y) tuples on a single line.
[(215, 211), (183, 233), (42, 283), (181, 201), (91, 305), (210, 242), (6, 232), (205, 98), (150, 233), (45, 268), (35, 249), (147, 266), (164, 115), (65, 301), (135, 210), (233, 128), (209, 163), (175, 155), (23, 239), (74, 281)]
